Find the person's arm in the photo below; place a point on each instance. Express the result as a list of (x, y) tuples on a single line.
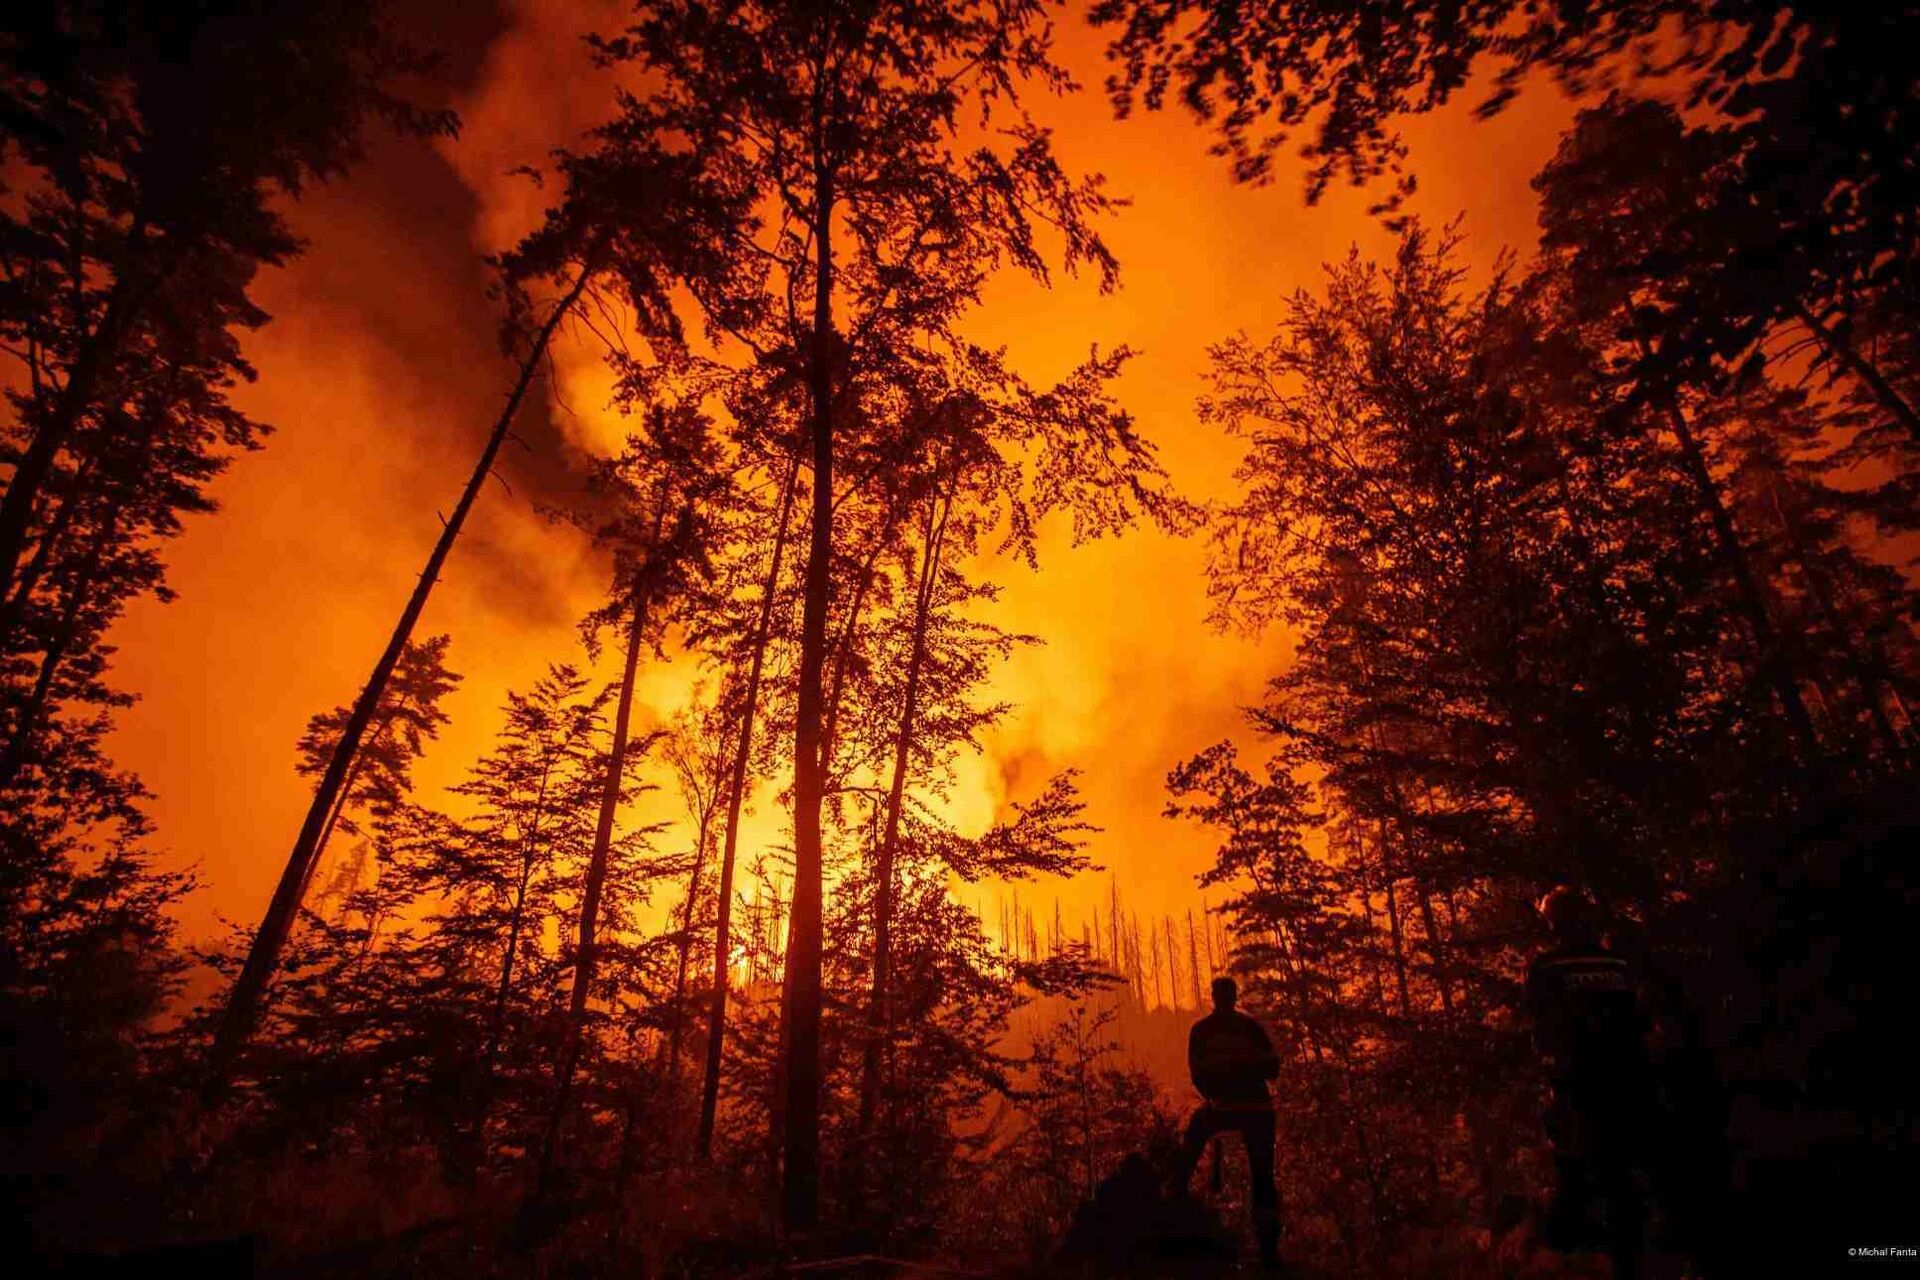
[(1193, 1060)]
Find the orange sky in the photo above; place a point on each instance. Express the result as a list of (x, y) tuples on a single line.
[(381, 375)]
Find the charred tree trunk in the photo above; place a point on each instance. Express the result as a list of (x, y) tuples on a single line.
[(1193, 962), (1173, 966)]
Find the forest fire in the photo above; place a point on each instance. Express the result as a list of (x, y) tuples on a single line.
[(848, 637)]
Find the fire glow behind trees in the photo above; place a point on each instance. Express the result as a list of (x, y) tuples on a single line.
[(939, 509)]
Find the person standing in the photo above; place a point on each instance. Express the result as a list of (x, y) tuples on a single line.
[(1231, 1059), (1591, 1030)]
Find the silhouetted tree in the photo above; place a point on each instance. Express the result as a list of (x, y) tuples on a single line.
[(504, 876), (843, 119), (1524, 655), (667, 490), (151, 152), (409, 717), (753, 662), (243, 1002), (671, 216)]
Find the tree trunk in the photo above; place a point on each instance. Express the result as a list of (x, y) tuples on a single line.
[(1206, 940), (1752, 603), (843, 649), (1089, 1136), (1862, 369), (503, 991), (243, 1003), (1173, 964), (674, 1033), (529, 852), (1193, 963), (476, 1102), (880, 1030), (1313, 1042), (800, 1004), (1435, 953), (1373, 954), (584, 954), (341, 801), (31, 473), (736, 793), (1436, 961), (1733, 558), (49, 542), (1393, 923), (20, 747), (1870, 676), (667, 1062)]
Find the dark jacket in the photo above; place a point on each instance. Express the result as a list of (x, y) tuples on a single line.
[(1231, 1059), (1587, 1017)]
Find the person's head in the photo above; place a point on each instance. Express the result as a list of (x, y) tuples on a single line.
[(1570, 914), (1225, 993)]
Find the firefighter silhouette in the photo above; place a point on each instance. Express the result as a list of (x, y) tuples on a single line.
[(1231, 1059), (1591, 1029)]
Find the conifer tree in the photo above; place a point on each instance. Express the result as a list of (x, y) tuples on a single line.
[(667, 490), (844, 121)]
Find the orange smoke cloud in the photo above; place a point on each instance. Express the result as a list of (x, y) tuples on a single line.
[(381, 374)]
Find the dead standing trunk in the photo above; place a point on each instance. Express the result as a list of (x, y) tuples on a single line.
[(243, 1004), (1193, 962)]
